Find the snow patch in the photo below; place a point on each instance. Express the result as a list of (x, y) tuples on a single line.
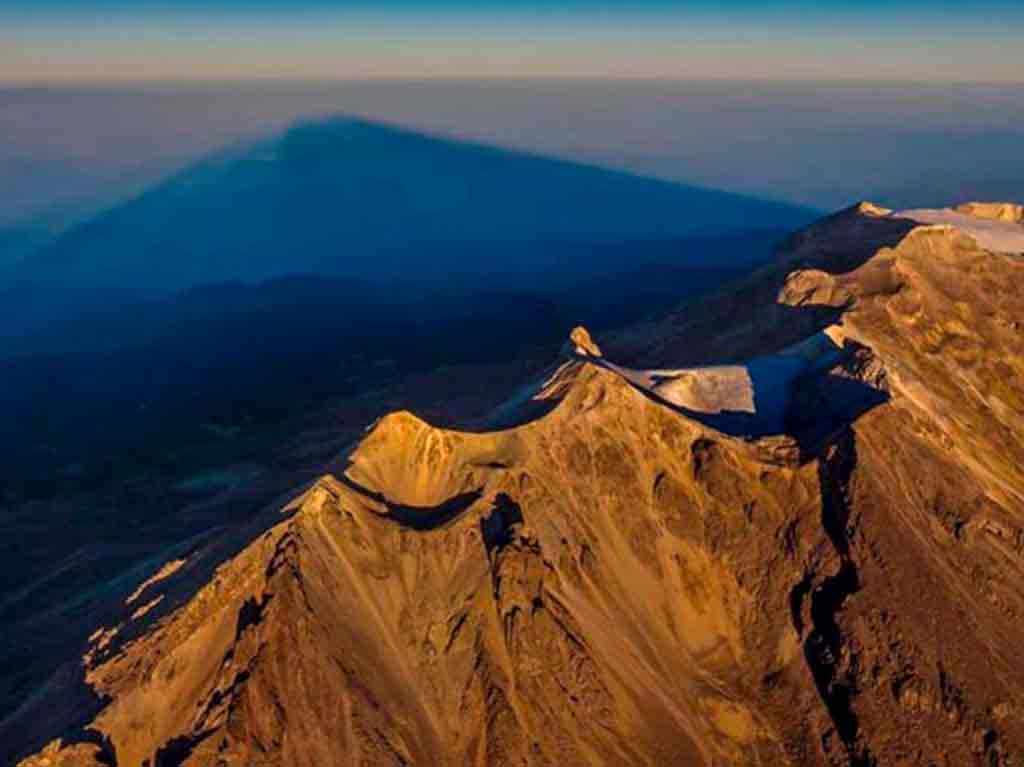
[(992, 235)]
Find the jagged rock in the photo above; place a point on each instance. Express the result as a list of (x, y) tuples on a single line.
[(583, 344)]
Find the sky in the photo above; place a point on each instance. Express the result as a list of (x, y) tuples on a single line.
[(917, 40)]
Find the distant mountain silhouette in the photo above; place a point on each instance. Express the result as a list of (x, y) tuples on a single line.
[(357, 250), (368, 201)]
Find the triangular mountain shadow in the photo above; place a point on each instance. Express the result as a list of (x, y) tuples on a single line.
[(365, 200)]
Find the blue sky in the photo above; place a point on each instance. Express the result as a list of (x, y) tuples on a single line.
[(940, 40)]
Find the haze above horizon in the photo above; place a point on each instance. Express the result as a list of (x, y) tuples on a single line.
[(90, 40)]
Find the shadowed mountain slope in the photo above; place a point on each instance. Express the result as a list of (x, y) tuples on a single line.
[(620, 579), (368, 201), (357, 250)]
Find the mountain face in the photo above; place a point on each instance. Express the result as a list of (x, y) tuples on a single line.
[(783, 525), (367, 201)]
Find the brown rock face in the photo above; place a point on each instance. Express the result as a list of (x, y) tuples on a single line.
[(621, 581)]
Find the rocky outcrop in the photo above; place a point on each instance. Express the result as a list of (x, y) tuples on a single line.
[(583, 344)]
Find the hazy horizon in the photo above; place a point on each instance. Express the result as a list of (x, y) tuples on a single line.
[(80, 40), (207, 82)]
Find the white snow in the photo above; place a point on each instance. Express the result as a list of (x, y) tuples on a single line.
[(712, 389), (996, 236)]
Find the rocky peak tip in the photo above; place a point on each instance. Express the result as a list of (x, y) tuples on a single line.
[(869, 208), (582, 343)]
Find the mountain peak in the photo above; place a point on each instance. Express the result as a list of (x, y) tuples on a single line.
[(717, 559), (867, 208), (583, 344)]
